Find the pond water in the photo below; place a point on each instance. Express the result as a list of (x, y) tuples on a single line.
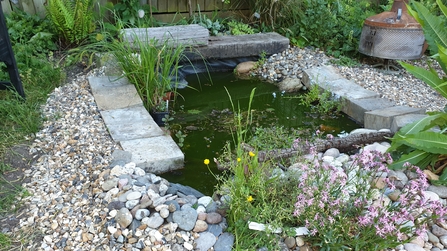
[(203, 113)]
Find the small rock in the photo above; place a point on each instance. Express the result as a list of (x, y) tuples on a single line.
[(224, 243), (245, 67), (141, 213), (205, 241), (133, 196), (185, 218), (154, 221), (213, 218), (438, 231), (109, 184), (290, 242), (413, 247), (124, 217), (200, 226)]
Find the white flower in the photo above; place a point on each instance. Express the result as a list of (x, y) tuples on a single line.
[(140, 13)]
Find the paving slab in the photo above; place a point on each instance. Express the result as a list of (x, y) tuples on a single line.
[(383, 118), (155, 154), (130, 123), (113, 93), (317, 75), (356, 108), (401, 121), (347, 89)]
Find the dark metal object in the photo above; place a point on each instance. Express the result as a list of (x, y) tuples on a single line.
[(7, 56), (393, 34)]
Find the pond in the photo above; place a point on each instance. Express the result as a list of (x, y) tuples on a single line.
[(204, 113)]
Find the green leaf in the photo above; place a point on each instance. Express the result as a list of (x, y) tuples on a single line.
[(429, 77), (442, 7), (428, 141), (415, 157), (432, 25)]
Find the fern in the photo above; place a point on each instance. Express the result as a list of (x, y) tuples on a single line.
[(73, 19)]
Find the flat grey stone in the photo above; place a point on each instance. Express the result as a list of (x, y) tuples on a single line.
[(130, 123), (156, 154), (112, 93), (356, 108), (185, 218), (383, 118), (224, 243), (317, 75), (205, 241), (403, 120)]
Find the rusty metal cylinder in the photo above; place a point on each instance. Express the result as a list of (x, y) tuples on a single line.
[(393, 34)]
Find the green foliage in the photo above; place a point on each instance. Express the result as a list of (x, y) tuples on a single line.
[(423, 143), (31, 31), (131, 13), (73, 20), (321, 102), (433, 26), (215, 27), (152, 70), (270, 138), (238, 28)]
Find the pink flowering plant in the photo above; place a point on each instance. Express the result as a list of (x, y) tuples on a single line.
[(344, 210)]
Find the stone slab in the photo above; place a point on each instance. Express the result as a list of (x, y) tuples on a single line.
[(113, 93), (401, 121), (347, 89), (356, 108), (320, 74), (156, 154), (249, 45), (130, 123), (187, 35), (382, 118)]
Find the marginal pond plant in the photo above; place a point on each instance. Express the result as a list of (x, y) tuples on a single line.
[(342, 206)]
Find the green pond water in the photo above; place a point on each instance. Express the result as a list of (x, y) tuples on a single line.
[(203, 113)]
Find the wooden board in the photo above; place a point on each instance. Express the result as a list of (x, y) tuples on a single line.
[(188, 35)]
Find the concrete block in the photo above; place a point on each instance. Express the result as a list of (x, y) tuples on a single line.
[(382, 118), (250, 45), (401, 121), (320, 74), (356, 108), (156, 154), (130, 123), (112, 93), (346, 89)]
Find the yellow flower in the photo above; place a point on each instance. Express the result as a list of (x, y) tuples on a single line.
[(206, 161), (238, 159), (252, 154), (249, 198)]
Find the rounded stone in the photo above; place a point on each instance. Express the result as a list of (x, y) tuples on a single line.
[(141, 213), (124, 217), (213, 218), (200, 226), (109, 184), (133, 196), (185, 218)]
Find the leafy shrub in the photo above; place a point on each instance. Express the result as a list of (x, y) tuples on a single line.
[(238, 28), (31, 30)]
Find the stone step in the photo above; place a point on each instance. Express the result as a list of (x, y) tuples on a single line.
[(133, 128), (364, 106)]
